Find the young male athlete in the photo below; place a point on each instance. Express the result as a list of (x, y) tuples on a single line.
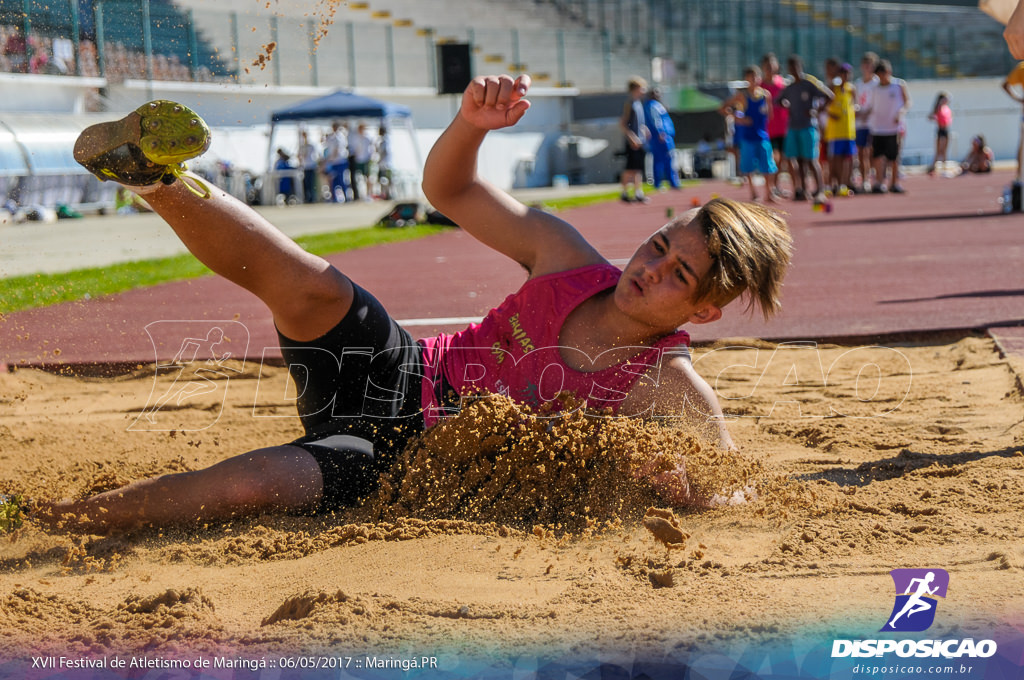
[(614, 335)]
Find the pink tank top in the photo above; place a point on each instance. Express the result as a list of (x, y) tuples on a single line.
[(514, 349), (779, 121)]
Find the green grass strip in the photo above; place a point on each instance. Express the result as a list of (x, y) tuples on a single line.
[(579, 201), (40, 290), (590, 199)]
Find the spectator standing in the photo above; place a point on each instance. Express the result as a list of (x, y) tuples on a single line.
[(889, 103), (64, 55), (39, 57), (943, 117), (285, 182), (336, 162), (309, 160), (802, 97), (774, 83), (360, 149), (842, 131), (751, 111), (663, 141), (384, 175), (16, 51), (831, 78), (634, 126), (865, 86)]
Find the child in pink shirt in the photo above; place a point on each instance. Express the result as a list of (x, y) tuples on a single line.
[(578, 323)]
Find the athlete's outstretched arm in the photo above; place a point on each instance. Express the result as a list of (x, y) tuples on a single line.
[(538, 241)]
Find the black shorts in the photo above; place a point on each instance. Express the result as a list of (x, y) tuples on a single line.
[(885, 145), (635, 158), (779, 143), (942, 133), (359, 398)]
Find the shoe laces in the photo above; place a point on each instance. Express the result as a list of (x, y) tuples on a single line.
[(190, 181)]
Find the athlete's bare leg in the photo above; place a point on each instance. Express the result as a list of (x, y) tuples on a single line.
[(306, 295), (272, 479)]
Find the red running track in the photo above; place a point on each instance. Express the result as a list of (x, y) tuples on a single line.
[(940, 258)]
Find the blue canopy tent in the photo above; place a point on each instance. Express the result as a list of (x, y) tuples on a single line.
[(339, 105)]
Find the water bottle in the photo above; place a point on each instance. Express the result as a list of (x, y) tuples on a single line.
[(1005, 200)]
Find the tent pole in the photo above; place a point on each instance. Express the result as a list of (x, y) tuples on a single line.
[(271, 179)]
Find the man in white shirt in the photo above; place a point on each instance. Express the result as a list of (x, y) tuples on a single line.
[(360, 149), (888, 104), (336, 160), (309, 159), (865, 86)]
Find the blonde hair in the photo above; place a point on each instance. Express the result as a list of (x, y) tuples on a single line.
[(637, 83), (750, 248)]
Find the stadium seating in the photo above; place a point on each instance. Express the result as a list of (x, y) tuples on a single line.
[(592, 45)]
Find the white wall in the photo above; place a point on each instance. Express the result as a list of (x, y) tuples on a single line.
[(979, 107), (30, 93)]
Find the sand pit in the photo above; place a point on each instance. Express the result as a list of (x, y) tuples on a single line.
[(865, 459)]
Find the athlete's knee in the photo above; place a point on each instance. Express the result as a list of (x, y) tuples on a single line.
[(314, 303), (349, 468)]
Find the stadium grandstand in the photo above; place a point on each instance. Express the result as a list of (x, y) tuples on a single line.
[(580, 50), (587, 44)]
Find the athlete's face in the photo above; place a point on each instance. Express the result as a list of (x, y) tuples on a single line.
[(657, 286)]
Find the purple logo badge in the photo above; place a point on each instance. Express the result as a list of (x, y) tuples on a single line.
[(916, 593)]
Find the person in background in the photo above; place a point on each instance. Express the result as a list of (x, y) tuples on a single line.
[(16, 51), (64, 55), (831, 78), (663, 140), (865, 86), (751, 109), (774, 83), (309, 159), (286, 182), (979, 159), (633, 124), (384, 176), (360, 150), (802, 97), (336, 161), (943, 117), (842, 131), (889, 102)]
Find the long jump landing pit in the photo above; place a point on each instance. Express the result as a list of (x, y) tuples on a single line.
[(866, 457), (907, 456)]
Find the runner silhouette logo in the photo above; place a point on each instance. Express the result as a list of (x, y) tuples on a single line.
[(916, 599)]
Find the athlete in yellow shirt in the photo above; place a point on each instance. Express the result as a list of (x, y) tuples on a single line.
[(841, 131)]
